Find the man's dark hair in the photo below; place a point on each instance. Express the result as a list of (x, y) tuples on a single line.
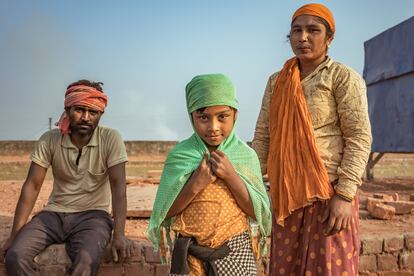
[(96, 85)]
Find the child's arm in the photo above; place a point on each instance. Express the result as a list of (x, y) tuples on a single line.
[(197, 182), (223, 168)]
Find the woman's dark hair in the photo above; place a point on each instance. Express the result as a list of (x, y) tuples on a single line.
[(96, 85), (329, 32)]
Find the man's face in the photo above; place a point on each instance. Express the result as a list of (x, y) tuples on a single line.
[(214, 124), (83, 120)]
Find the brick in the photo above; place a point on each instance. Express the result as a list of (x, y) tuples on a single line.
[(395, 196), (367, 273), (409, 241), (53, 270), (401, 207), (110, 270), (161, 270), (387, 262), (150, 255), (371, 245), (411, 197), (137, 254), (368, 263), (381, 211), (362, 201), (138, 269), (407, 260), (393, 243), (383, 196), (396, 273)]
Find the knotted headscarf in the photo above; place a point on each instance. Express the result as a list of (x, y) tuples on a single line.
[(81, 95), (316, 10), (205, 91)]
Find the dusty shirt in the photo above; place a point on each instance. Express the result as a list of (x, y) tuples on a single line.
[(82, 185), (337, 102), (212, 218)]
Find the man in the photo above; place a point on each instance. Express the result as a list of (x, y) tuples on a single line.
[(88, 165)]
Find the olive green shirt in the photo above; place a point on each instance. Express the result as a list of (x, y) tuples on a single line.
[(337, 102), (83, 185)]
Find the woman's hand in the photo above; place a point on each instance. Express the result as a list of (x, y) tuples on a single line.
[(337, 215)]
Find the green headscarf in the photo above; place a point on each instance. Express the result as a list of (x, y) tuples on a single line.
[(185, 157)]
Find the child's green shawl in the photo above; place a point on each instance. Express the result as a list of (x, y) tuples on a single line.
[(185, 158)]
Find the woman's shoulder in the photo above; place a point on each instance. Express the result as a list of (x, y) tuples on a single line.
[(341, 71)]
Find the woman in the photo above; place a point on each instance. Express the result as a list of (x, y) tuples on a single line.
[(313, 140)]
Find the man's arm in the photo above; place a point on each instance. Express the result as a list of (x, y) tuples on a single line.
[(120, 243), (28, 196)]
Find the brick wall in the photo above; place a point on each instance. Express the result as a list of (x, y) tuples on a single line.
[(380, 256)]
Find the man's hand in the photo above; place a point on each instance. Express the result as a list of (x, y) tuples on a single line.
[(222, 166), (122, 248), (337, 215)]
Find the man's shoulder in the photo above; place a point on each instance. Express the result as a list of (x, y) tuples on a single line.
[(50, 136), (106, 133)]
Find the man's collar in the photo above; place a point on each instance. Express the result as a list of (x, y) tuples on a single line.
[(93, 142)]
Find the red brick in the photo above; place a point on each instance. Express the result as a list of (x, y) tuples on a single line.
[(407, 260), (393, 243), (409, 241), (395, 196), (53, 270), (368, 263), (138, 269), (362, 201), (150, 255), (411, 197), (396, 273), (383, 196), (381, 211), (161, 270), (367, 273), (110, 270), (387, 262), (371, 245), (401, 206)]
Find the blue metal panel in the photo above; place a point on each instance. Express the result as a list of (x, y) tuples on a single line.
[(389, 74)]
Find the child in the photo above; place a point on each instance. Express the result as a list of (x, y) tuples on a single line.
[(211, 188)]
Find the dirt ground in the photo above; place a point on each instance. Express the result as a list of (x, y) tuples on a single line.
[(135, 228)]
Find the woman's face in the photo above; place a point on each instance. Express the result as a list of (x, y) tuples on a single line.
[(308, 39)]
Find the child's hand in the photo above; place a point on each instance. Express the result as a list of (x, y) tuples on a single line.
[(222, 166), (203, 175)]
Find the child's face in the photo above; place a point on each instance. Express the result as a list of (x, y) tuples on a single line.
[(214, 124)]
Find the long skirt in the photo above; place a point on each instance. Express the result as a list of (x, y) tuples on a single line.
[(301, 248)]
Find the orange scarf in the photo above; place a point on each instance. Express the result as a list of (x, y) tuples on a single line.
[(296, 172), (81, 95)]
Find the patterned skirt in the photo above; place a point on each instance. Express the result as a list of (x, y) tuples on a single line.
[(239, 262), (300, 247)]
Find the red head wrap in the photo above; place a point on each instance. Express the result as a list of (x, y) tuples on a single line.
[(81, 95)]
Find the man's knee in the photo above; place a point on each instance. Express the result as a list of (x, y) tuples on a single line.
[(17, 259)]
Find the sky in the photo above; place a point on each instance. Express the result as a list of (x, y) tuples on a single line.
[(145, 52)]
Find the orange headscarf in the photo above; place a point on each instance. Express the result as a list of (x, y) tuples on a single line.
[(316, 10), (296, 171), (81, 95)]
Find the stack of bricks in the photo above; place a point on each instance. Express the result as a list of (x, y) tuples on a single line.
[(55, 262), (387, 255), (390, 255)]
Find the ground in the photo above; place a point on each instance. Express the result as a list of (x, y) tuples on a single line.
[(15, 167)]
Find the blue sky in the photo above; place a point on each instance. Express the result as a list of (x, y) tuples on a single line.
[(146, 51)]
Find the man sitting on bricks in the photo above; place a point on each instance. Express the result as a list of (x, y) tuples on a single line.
[(88, 165)]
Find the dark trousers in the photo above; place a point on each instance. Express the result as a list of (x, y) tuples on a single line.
[(85, 235)]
